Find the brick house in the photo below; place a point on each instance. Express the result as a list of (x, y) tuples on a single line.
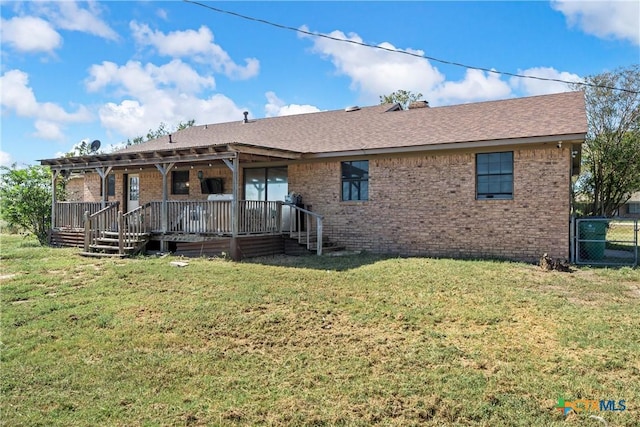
[(489, 179)]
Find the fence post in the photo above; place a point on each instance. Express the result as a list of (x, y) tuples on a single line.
[(87, 231), (635, 238), (572, 239)]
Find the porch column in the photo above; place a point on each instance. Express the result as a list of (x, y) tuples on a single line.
[(164, 169), (103, 173), (233, 165)]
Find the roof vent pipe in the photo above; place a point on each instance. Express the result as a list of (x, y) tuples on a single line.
[(170, 141), (246, 113)]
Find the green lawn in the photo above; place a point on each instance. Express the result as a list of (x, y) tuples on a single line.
[(356, 340)]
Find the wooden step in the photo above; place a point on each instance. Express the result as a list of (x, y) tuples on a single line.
[(115, 242), (110, 248), (115, 234), (102, 255)]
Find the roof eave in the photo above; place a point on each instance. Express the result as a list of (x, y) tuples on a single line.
[(573, 138)]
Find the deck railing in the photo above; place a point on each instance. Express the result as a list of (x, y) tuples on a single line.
[(214, 217), (136, 222), (95, 224), (259, 217), (183, 217), (306, 225), (71, 214)]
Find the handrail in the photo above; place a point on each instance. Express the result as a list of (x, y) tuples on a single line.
[(133, 224), (105, 219), (309, 217)]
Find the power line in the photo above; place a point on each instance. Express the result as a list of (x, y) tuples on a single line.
[(430, 58)]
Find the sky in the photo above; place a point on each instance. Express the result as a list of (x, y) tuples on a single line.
[(114, 70)]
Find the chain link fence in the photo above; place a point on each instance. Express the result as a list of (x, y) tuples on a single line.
[(605, 241)]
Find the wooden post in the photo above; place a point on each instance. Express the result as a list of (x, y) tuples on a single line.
[(120, 233), (103, 173), (164, 215), (234, 166), (87, 231)]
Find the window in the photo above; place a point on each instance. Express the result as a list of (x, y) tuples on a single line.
[(355, 180), (180, 182), (270, 184), (634, 207), (111, 186), (494, 175)]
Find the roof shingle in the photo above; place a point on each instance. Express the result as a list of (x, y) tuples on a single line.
[(376, 128)]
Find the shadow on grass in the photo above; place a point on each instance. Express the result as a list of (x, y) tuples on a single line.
[(324, 262), (349, 261)]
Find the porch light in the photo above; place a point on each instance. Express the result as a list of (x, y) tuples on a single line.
[(200, 175)]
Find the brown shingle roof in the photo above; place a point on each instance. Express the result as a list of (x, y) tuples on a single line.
[(377, 128)]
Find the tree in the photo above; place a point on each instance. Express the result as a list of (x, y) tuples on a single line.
[(26, 197), (161, 131), (402, 97), (611, 159)]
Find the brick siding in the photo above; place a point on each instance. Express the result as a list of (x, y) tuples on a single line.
[(151, 184), (420, 204), (426, 205)]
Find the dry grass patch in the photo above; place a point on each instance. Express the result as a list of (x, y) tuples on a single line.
[(353, 340)]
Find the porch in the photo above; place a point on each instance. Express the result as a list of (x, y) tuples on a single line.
[(194, 227)]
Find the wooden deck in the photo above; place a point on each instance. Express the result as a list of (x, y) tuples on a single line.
[(207, 228)]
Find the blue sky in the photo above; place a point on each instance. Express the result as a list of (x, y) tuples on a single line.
[(74, 71)]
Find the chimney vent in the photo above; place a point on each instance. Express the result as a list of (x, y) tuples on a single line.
[(418, 104), (246, 120)]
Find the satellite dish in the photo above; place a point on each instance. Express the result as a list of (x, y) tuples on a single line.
[(95, 145)]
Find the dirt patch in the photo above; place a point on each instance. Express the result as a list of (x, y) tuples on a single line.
[(7, 276)]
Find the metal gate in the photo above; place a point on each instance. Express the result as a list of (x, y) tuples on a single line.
[(605, 241)]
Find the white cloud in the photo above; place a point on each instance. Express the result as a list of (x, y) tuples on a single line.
[(144, 82), (277, 107), (532, 87), (152, 94), (5, 159), (48, 130), (67, 15), (162, 14), (131, 118), (476, 86), (30, 34), (197, 45), (375, 72), (604, 19), (18, 97)]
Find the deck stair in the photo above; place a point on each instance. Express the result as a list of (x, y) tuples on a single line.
[(108, 245), (294, 246)]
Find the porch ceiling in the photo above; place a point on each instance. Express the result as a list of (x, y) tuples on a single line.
[(245, 152)]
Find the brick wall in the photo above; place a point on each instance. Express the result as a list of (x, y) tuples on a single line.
[(426, 205), (420, 205), (74, 189), (151, 184)]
